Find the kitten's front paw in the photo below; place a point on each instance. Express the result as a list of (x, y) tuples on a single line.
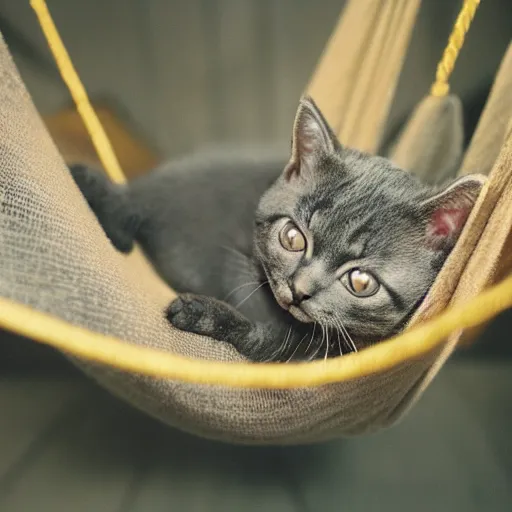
[(185, 313), (207, 316), (89, 181)]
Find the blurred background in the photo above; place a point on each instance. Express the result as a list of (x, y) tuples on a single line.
[(170, 77)]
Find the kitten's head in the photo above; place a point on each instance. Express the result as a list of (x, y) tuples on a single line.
[(350, 241)]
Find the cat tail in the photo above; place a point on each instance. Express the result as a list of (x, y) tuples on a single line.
[(111, 204)]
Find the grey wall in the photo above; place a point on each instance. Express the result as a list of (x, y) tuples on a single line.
[(194, 72)]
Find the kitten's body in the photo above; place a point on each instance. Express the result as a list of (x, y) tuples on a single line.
[(197, 228), (203, 209), (195, 219)]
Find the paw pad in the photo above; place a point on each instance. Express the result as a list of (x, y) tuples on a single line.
[(185, 312)]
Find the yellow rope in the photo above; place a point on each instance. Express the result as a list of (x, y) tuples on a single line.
[(142, 360), (445, 67), (118, 353), (77, 90)]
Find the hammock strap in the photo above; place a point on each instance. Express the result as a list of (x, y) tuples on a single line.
[(445, 67), (70, 76)]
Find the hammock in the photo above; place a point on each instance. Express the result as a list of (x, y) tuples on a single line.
[(63, 284)]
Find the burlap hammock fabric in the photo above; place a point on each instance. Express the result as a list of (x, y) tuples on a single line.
[(62, 283)]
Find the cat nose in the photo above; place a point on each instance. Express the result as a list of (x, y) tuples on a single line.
[(298, 294)]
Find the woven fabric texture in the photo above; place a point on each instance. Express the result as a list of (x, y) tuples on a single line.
[(55, 258)]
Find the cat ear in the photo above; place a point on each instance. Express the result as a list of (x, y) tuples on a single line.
[(311, 137), (448, 211)]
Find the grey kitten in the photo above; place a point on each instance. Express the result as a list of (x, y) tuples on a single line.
[(331, 254)]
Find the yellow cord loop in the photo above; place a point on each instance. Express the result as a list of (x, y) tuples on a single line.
[(69, 75), (445, 67), (120, 354)]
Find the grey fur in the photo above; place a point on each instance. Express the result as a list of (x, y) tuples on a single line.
[(211, 227)]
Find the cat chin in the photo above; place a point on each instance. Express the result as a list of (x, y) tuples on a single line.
[(300, 315)]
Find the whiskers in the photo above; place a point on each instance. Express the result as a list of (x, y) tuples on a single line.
[(345, 334), (312, 338), (282, 348), (322, 346), (244, 266), (251, 294), (234, 290), (296, 348), (319, 346), (326, 342)]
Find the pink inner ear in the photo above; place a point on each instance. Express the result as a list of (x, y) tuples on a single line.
[(445, 224), (307, 145), (309, 136), (291, 171)]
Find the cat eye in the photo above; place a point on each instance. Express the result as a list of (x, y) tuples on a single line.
[(291, 238), (359, 283)]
